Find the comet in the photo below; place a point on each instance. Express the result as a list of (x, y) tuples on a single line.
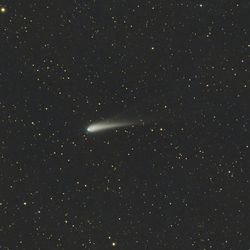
[(129, 118), (107, 125)]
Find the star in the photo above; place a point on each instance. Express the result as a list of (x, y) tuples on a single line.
[(3, 9)]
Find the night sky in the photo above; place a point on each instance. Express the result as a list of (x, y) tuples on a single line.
[(177, 179)]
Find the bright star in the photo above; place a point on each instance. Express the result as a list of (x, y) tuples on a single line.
[(3, 10)]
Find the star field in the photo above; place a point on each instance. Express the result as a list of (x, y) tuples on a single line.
[(180, 180)]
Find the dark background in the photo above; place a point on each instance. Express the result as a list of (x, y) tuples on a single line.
[(178, 182)]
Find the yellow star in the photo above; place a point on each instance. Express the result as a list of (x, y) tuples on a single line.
[(3, 9)]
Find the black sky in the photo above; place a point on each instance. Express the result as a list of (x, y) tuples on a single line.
[(181, 181)]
